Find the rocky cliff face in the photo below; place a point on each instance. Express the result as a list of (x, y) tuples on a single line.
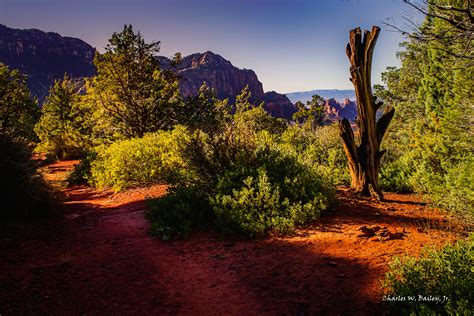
[(336, 111), (278, 105), (45, 57), (227, 80)]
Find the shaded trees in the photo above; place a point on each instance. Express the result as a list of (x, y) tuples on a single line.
[(18, 112)]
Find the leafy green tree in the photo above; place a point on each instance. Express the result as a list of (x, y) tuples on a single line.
[(205, 111), (431, 148), (18, 111), (60, 130), (254, 118), (131, 89), (312, 113)]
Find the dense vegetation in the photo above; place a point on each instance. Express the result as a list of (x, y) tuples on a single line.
[(430, 144), (62, 127), (23, 193), (446, 274), (430, 151), (245, 178)]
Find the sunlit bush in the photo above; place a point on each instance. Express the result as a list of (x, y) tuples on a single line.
[(321, 147), (248, 181), (447, 272), (151, 159)]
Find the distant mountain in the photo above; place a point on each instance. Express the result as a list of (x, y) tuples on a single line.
[(339, 95), (45, 57), (227, 80), (336, 110)]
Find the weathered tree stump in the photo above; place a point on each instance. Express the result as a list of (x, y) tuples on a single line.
[(363, 147)]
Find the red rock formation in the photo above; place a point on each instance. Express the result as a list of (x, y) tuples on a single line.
[(45, 57), (227, 80), (336, 111)]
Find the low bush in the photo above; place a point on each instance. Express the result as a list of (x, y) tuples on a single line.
[(178, 212), (82, 172), (63, 146), (447, 272), (395, 173), (151, 159), (447, 184), (23, 193), (320, 147), (450, 186), (245, 180)]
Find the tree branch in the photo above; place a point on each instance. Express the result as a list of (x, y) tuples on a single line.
[(383, 122)]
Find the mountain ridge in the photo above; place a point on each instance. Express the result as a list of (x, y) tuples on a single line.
[(337, 94), (227, 80), (47, 56)]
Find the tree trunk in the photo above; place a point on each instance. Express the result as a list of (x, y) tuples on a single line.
[(363, 148)]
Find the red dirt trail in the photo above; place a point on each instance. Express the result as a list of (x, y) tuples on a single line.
[(98, 259)]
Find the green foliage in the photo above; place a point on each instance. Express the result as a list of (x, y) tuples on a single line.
[(130, 91), (205, 111), (140, 161), (430, 143), (82, 172), (245, 178), (396, 172), (452, 189), (177, 213), (18, 112), (312, 113), (23, 193), (60, 130), (320, 147), (447, 272), (279, 197)]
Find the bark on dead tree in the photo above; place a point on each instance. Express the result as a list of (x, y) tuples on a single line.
[(363, 147)]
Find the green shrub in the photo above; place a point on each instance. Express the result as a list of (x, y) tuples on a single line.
[(82, 172), (178, 212), (395, 173), (320, 147), (264, 203), (151, 159), (456, 193), (449, 186), (66, 145), (23, 193), (245, 180), (447, 272)]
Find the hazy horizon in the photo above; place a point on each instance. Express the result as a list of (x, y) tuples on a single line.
[(292, 46)]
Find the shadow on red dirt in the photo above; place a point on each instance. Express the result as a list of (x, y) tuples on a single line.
[(99, 259)]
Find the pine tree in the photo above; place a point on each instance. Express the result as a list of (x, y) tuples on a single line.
[(18, 111), (131, 89)]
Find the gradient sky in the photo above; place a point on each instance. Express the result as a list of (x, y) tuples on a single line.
[(292, 45)]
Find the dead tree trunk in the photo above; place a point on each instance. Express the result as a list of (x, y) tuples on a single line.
[(363, 147)]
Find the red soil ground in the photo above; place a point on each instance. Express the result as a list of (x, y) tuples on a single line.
[(99, 259)]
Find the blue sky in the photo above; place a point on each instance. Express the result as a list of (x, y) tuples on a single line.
[(292, 45)]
